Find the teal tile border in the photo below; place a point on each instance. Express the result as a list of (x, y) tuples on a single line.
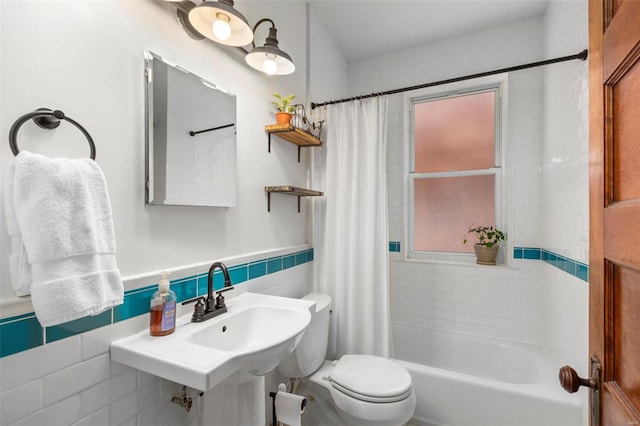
[(274, 264), (288, 261), (570, 266), (71, 328), (136, 302), (24, 332), (257, 269), (531, 253), (19, 334)]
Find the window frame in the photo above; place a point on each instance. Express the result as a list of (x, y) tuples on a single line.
[(498, 84)]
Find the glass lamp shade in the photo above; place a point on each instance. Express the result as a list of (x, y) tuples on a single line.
[(259, 55), (203, 17)]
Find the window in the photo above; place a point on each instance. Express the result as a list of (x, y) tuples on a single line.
[(455, 175)]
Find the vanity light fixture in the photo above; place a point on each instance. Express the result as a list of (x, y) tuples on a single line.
[(269, 58), (219, 21)]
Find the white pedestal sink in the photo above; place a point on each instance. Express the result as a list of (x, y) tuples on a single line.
[(236, 348)]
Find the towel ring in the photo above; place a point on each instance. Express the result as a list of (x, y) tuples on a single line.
[(46, 119)]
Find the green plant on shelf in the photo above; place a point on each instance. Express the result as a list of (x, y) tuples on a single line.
[(284, 103)]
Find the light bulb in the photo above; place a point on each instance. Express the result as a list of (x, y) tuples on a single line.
[(221, 27), (269, 65)]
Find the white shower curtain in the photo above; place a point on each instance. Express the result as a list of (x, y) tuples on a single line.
[(350, 226)]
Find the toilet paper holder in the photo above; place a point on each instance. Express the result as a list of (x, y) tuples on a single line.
[(274, 417)]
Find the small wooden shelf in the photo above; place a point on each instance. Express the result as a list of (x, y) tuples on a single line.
[(290, 190), (292, 134)]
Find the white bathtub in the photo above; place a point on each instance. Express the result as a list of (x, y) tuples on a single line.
[(467, 380)]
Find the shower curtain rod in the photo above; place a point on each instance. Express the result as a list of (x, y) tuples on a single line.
[(582, 56)]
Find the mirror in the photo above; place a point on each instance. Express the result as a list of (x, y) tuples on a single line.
[(190, 138)]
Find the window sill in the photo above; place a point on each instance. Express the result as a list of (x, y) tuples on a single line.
[(469, 264)]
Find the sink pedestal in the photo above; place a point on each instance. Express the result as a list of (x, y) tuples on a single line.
[(231, 404)]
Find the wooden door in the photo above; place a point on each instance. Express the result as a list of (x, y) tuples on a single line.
[(614, 264)]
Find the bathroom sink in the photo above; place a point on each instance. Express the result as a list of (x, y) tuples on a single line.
[(247, 341), (253, 327)]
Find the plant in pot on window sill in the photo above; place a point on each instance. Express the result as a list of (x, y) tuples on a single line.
[(486, 248), (285, 108)]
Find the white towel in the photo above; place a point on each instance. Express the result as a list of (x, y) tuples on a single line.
[(63, 213), (18, 263)]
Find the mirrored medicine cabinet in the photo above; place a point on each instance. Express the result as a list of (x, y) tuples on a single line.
[(190, 138)]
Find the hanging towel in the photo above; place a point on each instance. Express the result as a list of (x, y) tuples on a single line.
[(63, 214), (19, 267)]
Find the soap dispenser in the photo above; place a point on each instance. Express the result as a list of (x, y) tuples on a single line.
[(163, 309)]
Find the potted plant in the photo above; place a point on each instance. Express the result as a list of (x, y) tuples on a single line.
[(285, 108), (487, 245)]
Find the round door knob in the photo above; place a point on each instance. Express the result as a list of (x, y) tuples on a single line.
[(570, 381)]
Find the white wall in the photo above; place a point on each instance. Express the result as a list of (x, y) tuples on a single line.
[(565, 184), (85, 58), (498, 47), (328, 69)]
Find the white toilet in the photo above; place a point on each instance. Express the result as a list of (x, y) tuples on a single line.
[(364, 390)]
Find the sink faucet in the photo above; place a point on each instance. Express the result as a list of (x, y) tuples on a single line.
[(212, 306), (211, 301)]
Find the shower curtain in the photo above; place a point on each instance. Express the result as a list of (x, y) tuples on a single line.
[(350, 226)]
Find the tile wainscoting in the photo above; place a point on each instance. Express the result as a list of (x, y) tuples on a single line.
[(23, 332)]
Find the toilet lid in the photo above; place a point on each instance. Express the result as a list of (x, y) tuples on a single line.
[(371, 378)]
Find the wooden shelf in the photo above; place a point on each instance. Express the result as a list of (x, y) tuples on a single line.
[(290, 190), (292, 134)]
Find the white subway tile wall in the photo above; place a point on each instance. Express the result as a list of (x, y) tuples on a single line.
[(99, 418), (21, 401), (38, 363), (74, 379), (499, 302), (495, 302), (565, 186)]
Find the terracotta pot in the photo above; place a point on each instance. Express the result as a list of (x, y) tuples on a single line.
[(486, 255), (283, 117)]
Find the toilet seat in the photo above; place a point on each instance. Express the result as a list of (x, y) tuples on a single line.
[(357, 410), (371, 379)]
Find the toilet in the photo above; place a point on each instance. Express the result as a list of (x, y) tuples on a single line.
[(364, 390)]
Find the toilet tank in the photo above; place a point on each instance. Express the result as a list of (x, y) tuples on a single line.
[(309, 355)]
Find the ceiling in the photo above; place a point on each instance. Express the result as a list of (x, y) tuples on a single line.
[(363, 28)]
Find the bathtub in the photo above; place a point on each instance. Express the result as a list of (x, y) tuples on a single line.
[(466, 380)]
